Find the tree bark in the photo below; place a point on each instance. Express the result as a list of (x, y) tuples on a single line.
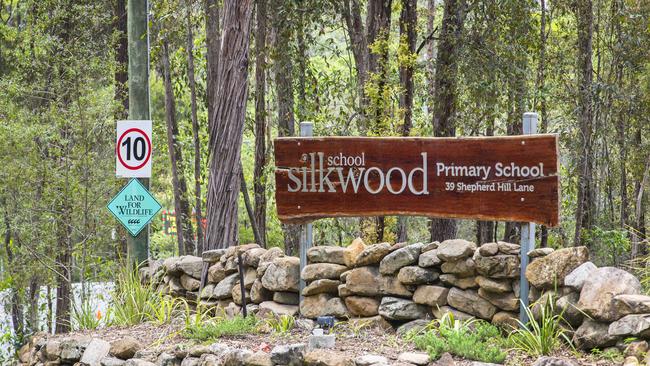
[(121, 76), (213, 46), (541, 85), (195, 132), (259, 180), (445, 92), (247, 202), (227, 123), (585, 196), (351, 12), (183, 218)]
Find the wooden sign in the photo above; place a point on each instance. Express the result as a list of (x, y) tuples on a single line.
[(511, 178)]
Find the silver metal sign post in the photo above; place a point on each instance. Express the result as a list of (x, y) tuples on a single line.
[(527, 232), (306, 231)]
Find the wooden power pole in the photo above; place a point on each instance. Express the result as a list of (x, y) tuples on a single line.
[(138, 36)]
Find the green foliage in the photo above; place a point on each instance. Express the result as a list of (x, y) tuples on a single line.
[(133, 301), (611, 354), (281, 324), (610, 246), (85, 316), (164, 308), (475, 340), (217, 327), (543, 335)]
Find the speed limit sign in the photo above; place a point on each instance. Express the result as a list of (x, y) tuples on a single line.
[(133, 149)]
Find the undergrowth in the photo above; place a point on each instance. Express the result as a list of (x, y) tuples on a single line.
[(218, 327)]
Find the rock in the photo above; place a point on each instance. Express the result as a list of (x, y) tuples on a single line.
[(462, 268), (198, 350), (52, 350), (371, 322), (367, 281), (216, 273), (207, 292), (431, 295), (637, 325), (540, 252), (577, 277), (236, 294), (414, 275), (470, 302), (278, 309), (439, 313), (171, 267), (321, 341), (324, 286), (223, 290), (389, 285), (321, 305), (190, 283), (125, 348), (95, 351), (429, 259), (111, 361), (550, 271), (212, 256), (250, 276), (631, 361), (290, 355), (191, 265), (194, 361), (353, 251), (235, 357), (401, 309), (400, 258), (258, 358), (508, 248), (288, 298), (592, 334), (455, 249), (259, 294), (267, 258), (240, 249), (632, 304), (282, 275), (362, 306), (446, 360), (463, 283), (506, 320), (72, 348), (416, 358), (414, 325), (488, 249), (498, 266), (319, 271), (343, 291), (326, 254), (251, 258), (429, 246), (320, 357), (494, 285), (567, 304), (370, 360), (554, 361), (372, 254), (139, 362), (637, 349), (305, 324), (504, 301), (599, 290)]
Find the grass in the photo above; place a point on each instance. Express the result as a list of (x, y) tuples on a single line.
[(218, 327), (474, 340), (133, 301), (84, 316), (540, 336), (163, 308), (282, 324)]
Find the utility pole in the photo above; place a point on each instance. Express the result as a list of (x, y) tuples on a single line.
[(138, 36)]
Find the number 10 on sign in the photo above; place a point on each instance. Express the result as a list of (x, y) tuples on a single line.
[(133, 149)]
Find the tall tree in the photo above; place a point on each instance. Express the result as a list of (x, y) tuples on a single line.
[(259, 179), (585, 196), (444, 114), (227, 125), (213, 47)]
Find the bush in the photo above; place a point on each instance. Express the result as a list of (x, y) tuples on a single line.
[(84, 316), (281, 324), (133, 301), (219, 327), (475, 340)]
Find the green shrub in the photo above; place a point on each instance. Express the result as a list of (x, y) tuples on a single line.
[(219, 327), (281, 324), (475, 340), (84, 316), (133, 301), (163, 308), (543, 335)]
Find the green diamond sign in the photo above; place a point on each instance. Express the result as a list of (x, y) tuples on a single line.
[(134, 207)]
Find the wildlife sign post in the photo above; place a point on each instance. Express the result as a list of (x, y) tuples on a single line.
[(134, 207)]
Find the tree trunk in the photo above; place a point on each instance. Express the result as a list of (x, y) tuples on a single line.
[(17, 321), (639, 233), (431, 58), (121, 76), (195, 132), (259, 180), (63, 264), (541, 85), (445, 92), (378, 19), (227, 123), (351, 11), (181, 203), (585, 196), (247, 202), (213, 46)]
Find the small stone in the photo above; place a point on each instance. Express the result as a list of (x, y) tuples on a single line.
[(540, 252), (509, 248), (362, 306), (372, 254), (216, 273), (498, 266), (321, 341), (455, 249), (429, 259), (462, 268), (125, 348), (637, 325), (504, 301), (352, 251), (400, 258), (631, 361), (414, 325), (111, 361), (223, 290), (278, 309), (632, 304), (463, 283), (430, 246), (554, 361), (431, 295), (191, 265), (251, 258), (190, 283), (440, 312), (506, 320), (288, 298), (489, 249), (290, 355), (95, 351), (416, 358), (445, 360), (370, 360), (401, 309), (637, 349), (258, 358), (494, 285), (319, 357), (139, 362), (212, 256), (259, 294), (326, 254), (415, 275), (324, 286)]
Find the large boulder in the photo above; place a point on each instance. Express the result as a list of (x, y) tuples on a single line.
[(599, 290), (216, 273), (352, 251), (371, 254), (578, 276), (326, 254), (550, 271), (362, 306), (470, 302), (224, 289), (592, 334), (431, 295), (319, 271), (322, 305), (191, 265), (455, 249), (282, 275), (260, 294), (367, 281), (635, 325), (401, 309), (497, 266), (429, 259), (415, 275), (400, 258)]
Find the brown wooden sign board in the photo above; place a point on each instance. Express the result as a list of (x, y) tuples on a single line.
[(512, 178)]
